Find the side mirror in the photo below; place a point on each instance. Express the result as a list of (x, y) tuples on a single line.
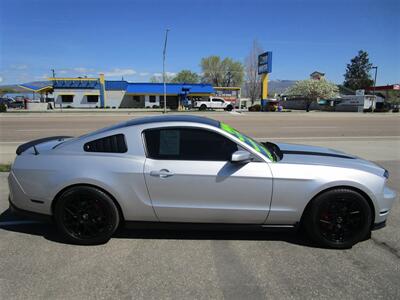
[(241, 156)]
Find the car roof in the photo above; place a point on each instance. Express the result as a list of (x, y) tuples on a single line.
[(156, 119), (171, 118)]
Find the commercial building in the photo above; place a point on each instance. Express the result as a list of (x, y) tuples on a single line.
[(98, 92), (231, 94)]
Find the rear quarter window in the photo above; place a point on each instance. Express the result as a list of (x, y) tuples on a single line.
[(110, 144)]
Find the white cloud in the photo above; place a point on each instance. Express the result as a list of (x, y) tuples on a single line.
[(143, 74), (119, 72), (1, 79), (82, 70), (63, 71), (20, 67), (42, 77), (169, 74)]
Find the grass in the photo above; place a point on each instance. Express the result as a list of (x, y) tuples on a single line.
[(5, 167)]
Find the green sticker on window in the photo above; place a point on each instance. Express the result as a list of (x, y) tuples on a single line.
[(253, 144)]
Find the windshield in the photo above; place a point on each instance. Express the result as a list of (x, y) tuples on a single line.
[(249, 141)]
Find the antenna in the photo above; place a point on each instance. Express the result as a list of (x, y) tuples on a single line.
[(36, 151)]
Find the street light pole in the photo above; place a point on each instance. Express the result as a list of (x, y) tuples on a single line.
[(376, 72), (165, 86)]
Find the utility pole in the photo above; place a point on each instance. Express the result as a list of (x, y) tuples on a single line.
[(376, 72), (165, 86), (54, 73)]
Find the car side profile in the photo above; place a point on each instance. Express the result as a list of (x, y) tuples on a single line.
[(213, 103), (190, 169)]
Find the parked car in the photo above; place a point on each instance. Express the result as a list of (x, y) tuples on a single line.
[(11, 103), (5, 101), (213, 103), (188, 169)]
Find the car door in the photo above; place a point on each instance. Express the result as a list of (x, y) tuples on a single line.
[(217, 103), (190, 178)]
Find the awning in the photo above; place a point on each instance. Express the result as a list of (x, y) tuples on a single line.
[(37, 89)]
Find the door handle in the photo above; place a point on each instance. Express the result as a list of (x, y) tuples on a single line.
[(164, 173)]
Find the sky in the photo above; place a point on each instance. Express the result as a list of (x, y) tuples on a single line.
[(123, 38)]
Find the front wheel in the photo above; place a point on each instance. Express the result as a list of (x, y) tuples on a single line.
[(229, 107), (86, 215), (203, 107), (339, 218)]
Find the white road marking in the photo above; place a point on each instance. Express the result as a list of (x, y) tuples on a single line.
[(307, 127), (329, 137), (19, 222), (47, 129)]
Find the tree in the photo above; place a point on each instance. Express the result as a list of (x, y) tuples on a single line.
[(186, 76), (158, 78), (357, 72), (253, 80), (218, 72), (393, 97), (312, 90)]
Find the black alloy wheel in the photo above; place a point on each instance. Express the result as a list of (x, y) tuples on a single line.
[(339, 218), (203, 107), (86, 215)]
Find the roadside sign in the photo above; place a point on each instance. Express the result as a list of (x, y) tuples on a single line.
[(265, 62), (360, 92)]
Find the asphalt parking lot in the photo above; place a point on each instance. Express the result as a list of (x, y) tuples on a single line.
[(35, 263)]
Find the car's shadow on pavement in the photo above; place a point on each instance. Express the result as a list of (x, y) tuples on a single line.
[(12, 223)]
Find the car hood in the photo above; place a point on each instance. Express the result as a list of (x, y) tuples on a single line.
[(314, 155)]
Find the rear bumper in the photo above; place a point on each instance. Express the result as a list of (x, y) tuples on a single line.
[(28, 214)]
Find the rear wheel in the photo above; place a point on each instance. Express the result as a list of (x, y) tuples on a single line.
[(339, 218), (203, 107), (229, 107), (86, 215)]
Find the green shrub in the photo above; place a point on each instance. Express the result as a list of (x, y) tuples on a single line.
[(5, 167), (256, 107), (3, 107)]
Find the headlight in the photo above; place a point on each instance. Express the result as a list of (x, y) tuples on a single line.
[(386, 174)]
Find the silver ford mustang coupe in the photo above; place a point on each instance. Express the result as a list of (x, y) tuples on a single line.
[(188, 169)]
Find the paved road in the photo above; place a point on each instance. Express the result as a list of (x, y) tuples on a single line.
[(35, 263)]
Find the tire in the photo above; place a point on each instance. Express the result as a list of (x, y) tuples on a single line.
[(203, 107), (338, 219), (86, 215), (229, 108)]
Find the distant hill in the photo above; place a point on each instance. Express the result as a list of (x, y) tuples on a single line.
[(274, 87), (280, 86), (17, 89)]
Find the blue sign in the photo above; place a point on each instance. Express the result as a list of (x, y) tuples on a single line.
[(265, 63)]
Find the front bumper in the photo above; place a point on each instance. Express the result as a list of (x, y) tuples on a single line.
[(384, 206)]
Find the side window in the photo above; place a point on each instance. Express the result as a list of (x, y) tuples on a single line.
[(67, 98), (92, 98), (188, 144), (110, 144)]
